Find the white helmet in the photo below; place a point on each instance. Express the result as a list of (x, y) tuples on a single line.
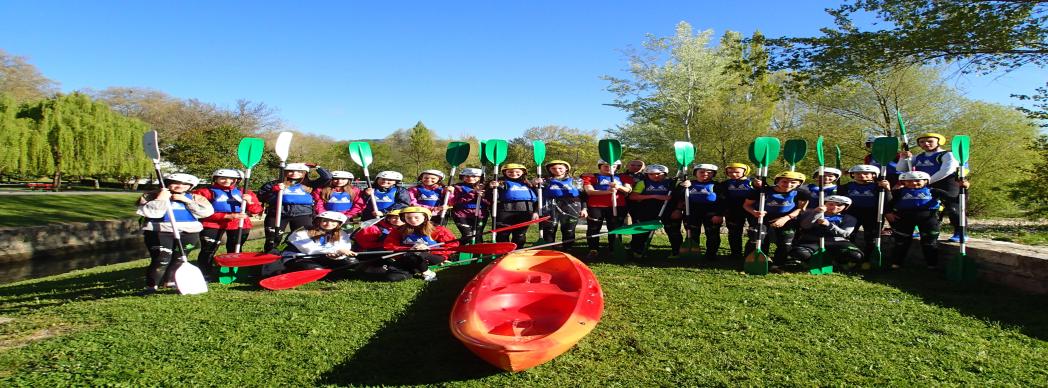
[(704, 166), (828, 170), (864, 168), (914, 176), (602, 161), (296, 167), (226, 173), (341, 175), (181, 177), (839, 199), (437, 173), (391, 175), (334, 216), (470, 171), (656, 169)]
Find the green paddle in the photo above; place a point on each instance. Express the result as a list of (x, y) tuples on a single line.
[(884, 151), (458, 152), (794, 151), (538, 153), (763, 151), (819, 263), (685, 154), (479, 221), (905, 139), (360, 152), (961, 268), (495, 151), (838, 157), (611, 151), (250, 153)]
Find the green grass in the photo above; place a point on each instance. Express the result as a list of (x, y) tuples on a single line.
[(35, 210), (1019, 234), (666, 323)]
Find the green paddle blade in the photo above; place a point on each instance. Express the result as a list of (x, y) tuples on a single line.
[(819, 152), (902, 125), (360, 152), (763, 151), (756, 263), (884, 149), (484, 153), (458, 152), (250, 151), (838, 157), (960, 148), (794, 151), (610, 150), (538, 150), (638, 228), (685, 153), (496, 149)]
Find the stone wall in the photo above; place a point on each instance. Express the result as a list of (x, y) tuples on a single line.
[(1021, 267)]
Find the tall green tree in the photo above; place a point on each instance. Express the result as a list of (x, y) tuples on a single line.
[(14, 137), (573, 145)]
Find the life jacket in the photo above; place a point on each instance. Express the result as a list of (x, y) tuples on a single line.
[(738, 189), (814, 190), (297, 195), (561, 188), (777, 204), (179, 210), (929, 163), (517, 191), (385, 199), (339, 201), (655, 188), (863, 195), (892, 166), (834, 219), (916, 199), (427, 197), (702, 192), (466, 189), (603, 182), (226, 201), (414, 238)]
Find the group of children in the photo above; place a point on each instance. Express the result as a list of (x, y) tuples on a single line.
[(411, 219)]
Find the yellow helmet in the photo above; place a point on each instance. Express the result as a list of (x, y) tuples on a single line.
[(394, 212), (790, 175), (942, 139), (558, 161), (510, 166), (416, 209), (745, 168)]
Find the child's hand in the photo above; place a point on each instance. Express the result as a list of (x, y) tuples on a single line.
[(823, 222), (686, 183), (180, 198), (883, 183), (780, 222), (163, 195), (820, 209)]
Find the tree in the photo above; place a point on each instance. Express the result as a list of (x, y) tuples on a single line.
[(14, 137), (575, 146), (1040, 105), (1030, 189), (21, 81), (986, 35)]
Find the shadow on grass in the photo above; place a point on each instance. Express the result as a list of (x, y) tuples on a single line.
[(36, 295), (417, 348)]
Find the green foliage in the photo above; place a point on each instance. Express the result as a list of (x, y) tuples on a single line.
[(1032, 188), (1040, 105), (14, 137), (573, 145)]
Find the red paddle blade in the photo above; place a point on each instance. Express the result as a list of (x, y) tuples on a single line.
[(487, 248), (245, 259), (293, 279), (515, 226)]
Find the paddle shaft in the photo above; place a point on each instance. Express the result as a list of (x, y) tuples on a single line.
[(880, 209), (822, 202), (175, 235), (495, 204), (243, 209), (447, 196), (614, 198), (538, 170), (280, 195)]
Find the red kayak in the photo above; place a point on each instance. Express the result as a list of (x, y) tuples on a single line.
[(527, 308)]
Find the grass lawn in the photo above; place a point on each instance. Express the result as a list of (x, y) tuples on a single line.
[(666, 323), (35, 210)]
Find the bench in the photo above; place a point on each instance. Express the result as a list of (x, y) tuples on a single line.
[(40, 186)]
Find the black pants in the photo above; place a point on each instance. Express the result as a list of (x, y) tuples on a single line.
[(870, 226), (564, 216), (468, 227), (669, 224), (161, 251), (842, 251), (928, 225), (210, 239), (781, 237), (402, 267), (506, 218), (737, 220), (951, 202), (274, 233), (704, 222), (598, 216)]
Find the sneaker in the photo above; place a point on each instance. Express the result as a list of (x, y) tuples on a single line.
[(955, 238), (429, 276)]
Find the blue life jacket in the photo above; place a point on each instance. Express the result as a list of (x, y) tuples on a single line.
[(339, 201), (814, 190), (385, 199), (738, 189), (179, 210), (466, 189), (603, 182), (517, 191), (929, 163), (427, 197), (702, 192), (297, 195), (834, 219), (892, 167), (226, 201), (916, 199), (863, 196), (655, 188), (778, 204), (561, 188), (411, 239)]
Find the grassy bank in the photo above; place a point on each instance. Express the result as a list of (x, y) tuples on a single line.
[(35, 210), (667, 323)]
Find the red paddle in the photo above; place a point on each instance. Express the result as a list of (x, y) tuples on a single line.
[(293, 279), (245, 259), (515, 226)]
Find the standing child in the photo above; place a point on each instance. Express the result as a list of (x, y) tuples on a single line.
[(599, 188), (321, 245), (941, 168), (916, 205), (862, 191), (339, 196), (706, 207), (227, 202), (517, 203), (417, 233), (734, 192), (387, 195), (297, 206), (783, 202), (468, 216), (563, 203), (159, 237), (647, 199), (429, 193), (829, 184), (830, 223)]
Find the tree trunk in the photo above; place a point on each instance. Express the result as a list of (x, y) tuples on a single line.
[(134, 183), (56, 181)]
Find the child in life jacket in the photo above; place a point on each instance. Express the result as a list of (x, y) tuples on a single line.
[(783, 202), (429, 193), (863, 192), (467, 205), (339, 196), (829, 184), (384, 195), (834, 226), (321, 245), (372, 237), (517, 203), (295, 191), (706, 207), (228, 219), (599, 189), (417, 233), (186, 208), (650, 199), (734, 190), (915, 205), (563, 203), (941, 167)]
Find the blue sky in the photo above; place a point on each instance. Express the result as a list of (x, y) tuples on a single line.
[(362, 70)]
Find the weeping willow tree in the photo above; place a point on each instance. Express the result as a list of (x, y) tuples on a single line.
[(14, 135)]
